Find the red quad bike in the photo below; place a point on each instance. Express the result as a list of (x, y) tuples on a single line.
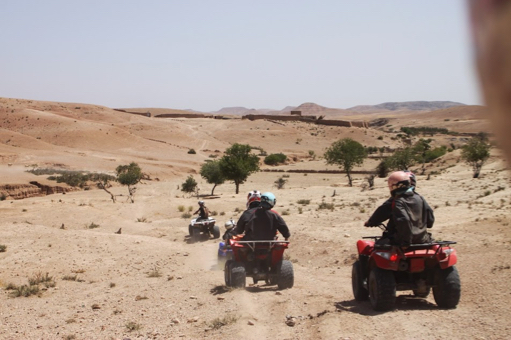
[(381, 270), (261, 260)]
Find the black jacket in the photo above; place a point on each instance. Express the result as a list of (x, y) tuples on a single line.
[(409, 217), (261, 224)]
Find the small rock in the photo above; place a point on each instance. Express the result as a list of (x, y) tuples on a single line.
[(221, 298), (185, 254), (193, 297), (278, 293), (346, 235), (291, 322), (176, 321), (251, 323), (179, 277)]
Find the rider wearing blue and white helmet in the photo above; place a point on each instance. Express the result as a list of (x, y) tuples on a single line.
[(262, 223)]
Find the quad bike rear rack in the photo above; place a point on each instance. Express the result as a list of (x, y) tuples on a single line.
[(252, 244), (421, 246)]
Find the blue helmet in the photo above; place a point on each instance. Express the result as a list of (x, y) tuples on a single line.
[(268, 199)]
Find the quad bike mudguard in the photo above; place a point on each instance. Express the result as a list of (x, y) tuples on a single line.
[(365, 247)]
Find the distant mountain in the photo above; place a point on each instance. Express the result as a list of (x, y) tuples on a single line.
[(408, 106), (241, 111)]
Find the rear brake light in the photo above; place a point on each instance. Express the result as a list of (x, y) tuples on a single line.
[(387, 256)]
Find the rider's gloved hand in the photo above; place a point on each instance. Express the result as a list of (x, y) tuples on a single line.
[(366, 224)]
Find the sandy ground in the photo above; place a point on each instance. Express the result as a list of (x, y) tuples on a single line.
[(104, 287)]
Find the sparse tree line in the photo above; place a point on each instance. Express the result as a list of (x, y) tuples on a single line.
[(348, 153), (238, 163)]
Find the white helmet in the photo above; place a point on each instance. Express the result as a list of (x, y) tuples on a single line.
[(253, 196), (229, 225)]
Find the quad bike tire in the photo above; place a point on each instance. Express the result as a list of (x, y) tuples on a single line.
[(190, 230), (216, 231), (227, 272), (196, 235), (238, 275), (285, 275), (382, 289), (420, 294), (447, 287), (357, 281)]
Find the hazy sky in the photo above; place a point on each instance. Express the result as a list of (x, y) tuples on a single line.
[(209, 54)]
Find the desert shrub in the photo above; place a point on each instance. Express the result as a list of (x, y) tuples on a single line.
[(72, 178), (92, 225), (300, 210), (382, 169), (192, 151), (190, 185), (155, 272), (69, 277), (181, 208), (324, 205), (303, 202), (224, 321), (371, 149), (285, 212), (186, 215), (190, 208), (275, 158), (2, 197), (133, 326), (3, 248), (380, 138), (24, 290), (413, 131), (280, 182), (39, 278), (434, 153), (141, 219)]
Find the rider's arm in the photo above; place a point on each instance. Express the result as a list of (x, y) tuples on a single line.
[(430, 217), (282, 227), (381, 214)]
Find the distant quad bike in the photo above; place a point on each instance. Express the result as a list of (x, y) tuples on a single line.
[(381, 270), (197, 228), (261, 260)]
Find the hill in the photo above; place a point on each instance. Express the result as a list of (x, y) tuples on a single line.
[(405, 106)]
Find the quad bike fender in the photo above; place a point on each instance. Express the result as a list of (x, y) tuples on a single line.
[(365, 247), (448, 260)]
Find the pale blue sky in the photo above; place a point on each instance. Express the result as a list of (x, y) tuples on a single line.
[(209, 54)]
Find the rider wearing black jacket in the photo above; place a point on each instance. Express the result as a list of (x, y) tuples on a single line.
[(262, 223), (408, 213)]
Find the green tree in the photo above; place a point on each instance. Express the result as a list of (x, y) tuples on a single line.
[(238, 163), (346, 153), (129, 175), (420, 150), (190, 185), (401, 159), (212, 173), (476, 152)]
